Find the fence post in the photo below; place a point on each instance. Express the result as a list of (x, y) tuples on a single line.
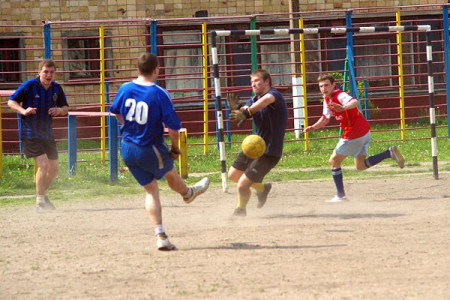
[(183, 159), (446, 62), (47, 40), (205, 86), (113, 149), (72, 144), (401, 86), (153, 41)]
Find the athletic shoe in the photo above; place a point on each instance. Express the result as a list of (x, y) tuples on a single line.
[(336, 199), (240, 212), (262, 196), (397, 156), (198, 189), (44, 206), (163, 243), (49, 205)]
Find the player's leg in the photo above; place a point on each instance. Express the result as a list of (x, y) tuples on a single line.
[(52, 170), (338, 178), (373, 160), (243, 196), (143, 163), (177, 184), (35, 148), (253, 177), (42, 168), (154, 213), (234, 174), (257, 172), (397, 156)]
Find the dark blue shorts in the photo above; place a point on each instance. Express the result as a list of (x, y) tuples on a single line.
[(38, 147), (146, 163), (255, 169)]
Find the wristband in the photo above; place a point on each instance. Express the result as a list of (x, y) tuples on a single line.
[(247, 112)]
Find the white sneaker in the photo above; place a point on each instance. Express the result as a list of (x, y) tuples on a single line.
[(397, 156), (198, 189), (163, 243), (336, 199)]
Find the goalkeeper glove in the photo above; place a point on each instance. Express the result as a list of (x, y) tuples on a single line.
[(240, 115)]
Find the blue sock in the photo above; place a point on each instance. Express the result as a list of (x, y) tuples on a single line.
[(338, 181), (375, 159)]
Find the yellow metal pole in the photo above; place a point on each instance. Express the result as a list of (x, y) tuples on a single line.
[(205, 85), (303, 73), (183, 158), (102, 95), (400, 78)]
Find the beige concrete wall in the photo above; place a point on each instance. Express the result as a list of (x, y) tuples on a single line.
[(26, 12)]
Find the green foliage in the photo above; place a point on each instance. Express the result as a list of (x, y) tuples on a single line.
[(301, 161)]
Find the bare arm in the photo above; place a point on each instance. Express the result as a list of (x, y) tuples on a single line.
[(262, 102), (322, 122), (14, 105), (174, 136), (58, 111), (340, 108), (119, 118)]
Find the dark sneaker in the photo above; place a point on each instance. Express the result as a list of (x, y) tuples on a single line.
[(240, 212), (262, 196), (397, 156), (163, 243)]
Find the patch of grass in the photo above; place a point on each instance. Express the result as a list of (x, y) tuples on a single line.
[(300, 161)]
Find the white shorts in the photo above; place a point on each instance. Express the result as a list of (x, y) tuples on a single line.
[(354, 147)]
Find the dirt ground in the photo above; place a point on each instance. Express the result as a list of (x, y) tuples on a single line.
[(390, 241)]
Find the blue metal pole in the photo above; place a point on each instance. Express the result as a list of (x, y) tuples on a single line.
[(72, 144), (47, 41), (107, 93), (113, 149), (350, 56), (366, 99), (447, 63), (153, 41), (19, 130), (227, 124)]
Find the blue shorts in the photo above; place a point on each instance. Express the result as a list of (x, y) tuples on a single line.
[(146, 163), (355, 147)]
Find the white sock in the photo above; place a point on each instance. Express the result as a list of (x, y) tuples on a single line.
[(159, 229), (40, 199)]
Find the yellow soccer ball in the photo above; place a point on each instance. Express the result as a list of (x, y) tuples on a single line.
[(253, 146)]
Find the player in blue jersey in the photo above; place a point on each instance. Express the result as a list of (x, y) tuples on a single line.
[(38, 100), (269, 112), (143, 109)]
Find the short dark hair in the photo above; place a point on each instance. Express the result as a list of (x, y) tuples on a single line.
[(324, 77), (47, 63), (147, 63), (263, 74)]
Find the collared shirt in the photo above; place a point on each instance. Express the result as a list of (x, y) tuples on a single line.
[(271, 122), (352, 122), (146, 108), (32, 93)]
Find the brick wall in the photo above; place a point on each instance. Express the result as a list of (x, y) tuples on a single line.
[(22, 12)]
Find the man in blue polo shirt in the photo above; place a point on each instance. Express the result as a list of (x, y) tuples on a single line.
[(38, 100)]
